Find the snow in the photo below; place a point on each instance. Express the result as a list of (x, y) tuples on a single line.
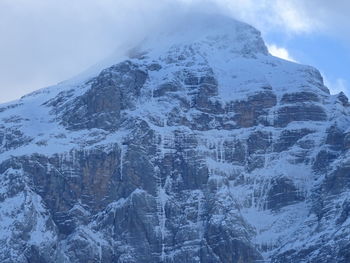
[(220, 45), (122, 153), (34, 216), (271, 226)]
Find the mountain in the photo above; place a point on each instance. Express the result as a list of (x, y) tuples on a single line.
[(198, 146)]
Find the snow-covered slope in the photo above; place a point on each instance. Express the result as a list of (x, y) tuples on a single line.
[(198, 146)]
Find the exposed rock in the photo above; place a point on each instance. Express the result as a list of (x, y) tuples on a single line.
[(288, 138), (343, 99), (283, 192), (113, 90), (335, 138), (199, 148), (253, 111), (300, 97), (302, 112)]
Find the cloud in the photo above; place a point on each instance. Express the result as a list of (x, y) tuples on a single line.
[(280, 52), (330, 16), (293, 16), (268, 15), (46, 41), (337, 85)]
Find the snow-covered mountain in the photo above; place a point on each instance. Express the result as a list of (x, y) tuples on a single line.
[(199, 146)]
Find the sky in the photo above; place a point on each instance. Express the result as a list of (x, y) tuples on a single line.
[(43, 42)]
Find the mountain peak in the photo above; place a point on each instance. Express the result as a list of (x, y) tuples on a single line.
[(208, 30)]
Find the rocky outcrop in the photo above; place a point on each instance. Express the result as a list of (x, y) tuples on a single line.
[(303, 112), (113, 90), (254, 111)]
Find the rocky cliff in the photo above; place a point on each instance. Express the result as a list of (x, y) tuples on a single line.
[(197, 147)]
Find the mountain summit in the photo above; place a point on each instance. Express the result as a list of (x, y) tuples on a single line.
[(209, 31), (198, 147)]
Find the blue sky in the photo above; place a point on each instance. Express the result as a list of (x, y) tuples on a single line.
[(43, 42)]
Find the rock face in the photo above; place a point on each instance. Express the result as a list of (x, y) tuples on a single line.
[(200, 147)]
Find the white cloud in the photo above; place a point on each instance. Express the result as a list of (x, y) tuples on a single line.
[(288, 15), (332, 17), (337, 85), (45, 41), (280, 52), (294, 16)]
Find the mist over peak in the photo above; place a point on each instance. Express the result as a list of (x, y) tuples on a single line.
[(209, 28)]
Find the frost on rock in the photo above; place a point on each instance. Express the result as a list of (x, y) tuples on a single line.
[(197, 147)]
